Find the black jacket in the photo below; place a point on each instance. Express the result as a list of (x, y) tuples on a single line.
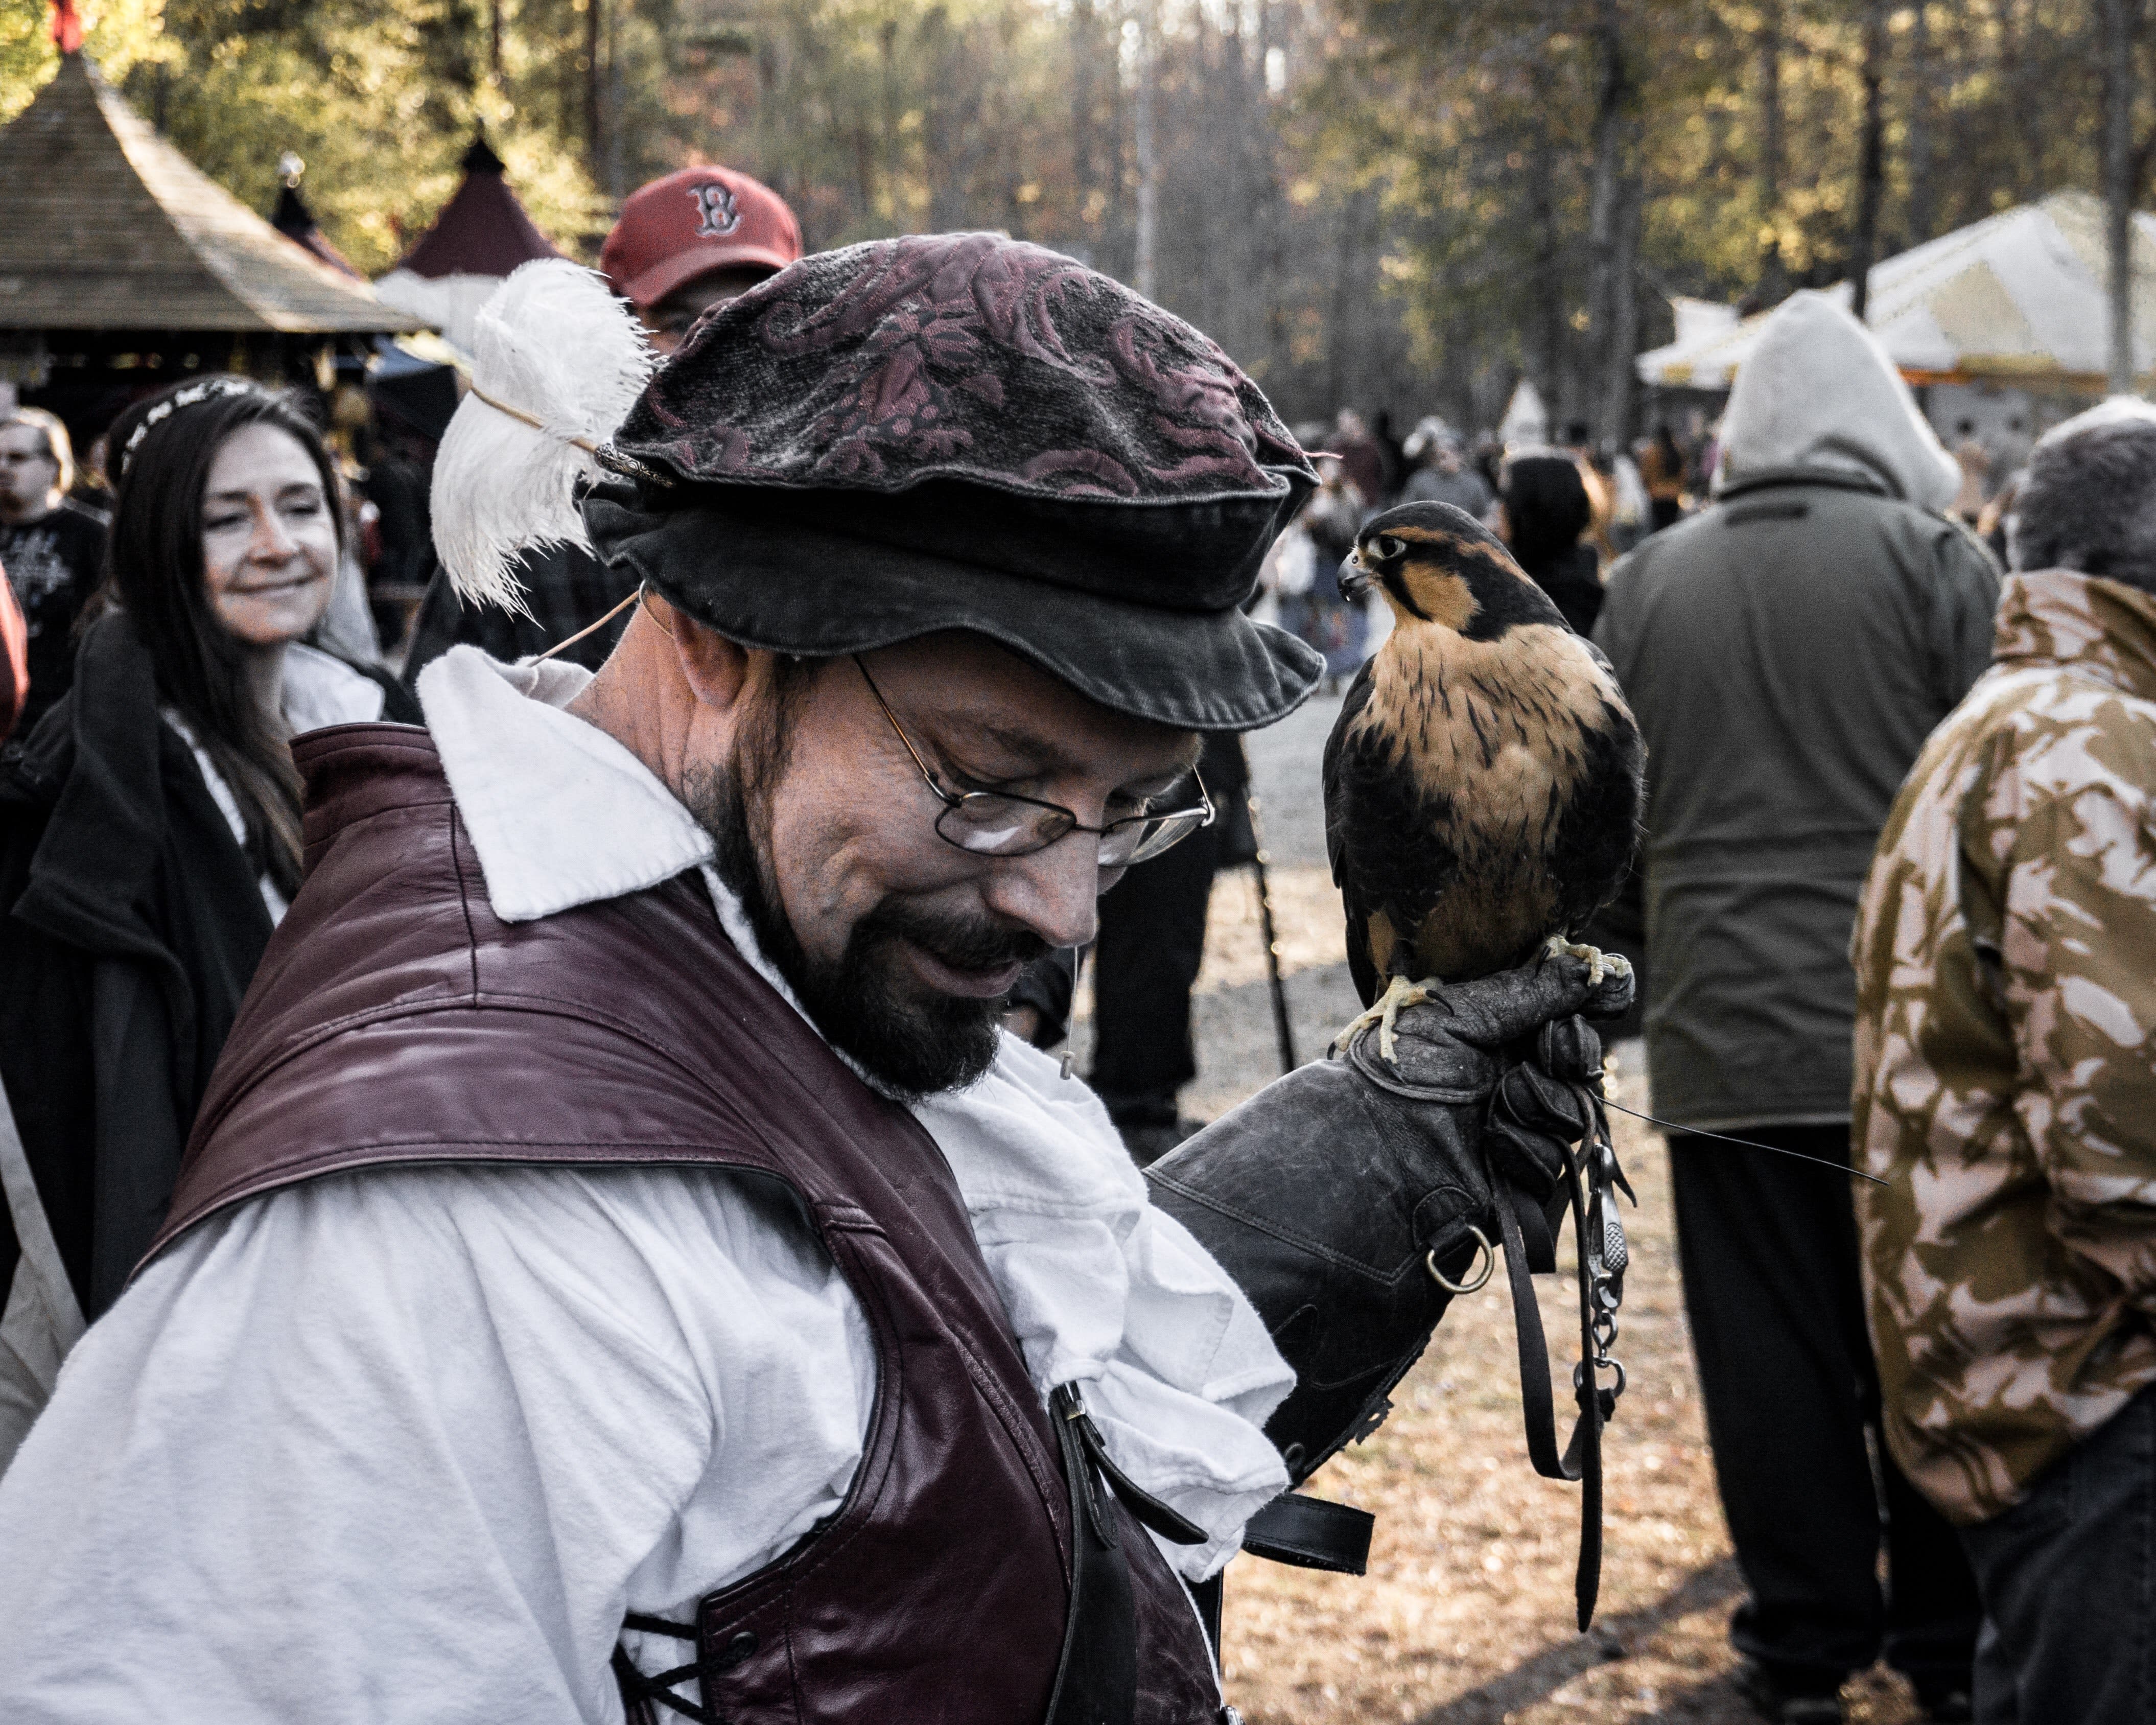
[(130, 925), (1573, 578), (1787, 651)]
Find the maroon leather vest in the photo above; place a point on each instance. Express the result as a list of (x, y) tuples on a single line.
[(395, 1020)]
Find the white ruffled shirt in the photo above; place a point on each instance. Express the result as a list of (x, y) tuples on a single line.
[(421, 1437)]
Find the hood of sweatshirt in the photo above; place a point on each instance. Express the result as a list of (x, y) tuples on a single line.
[(1819, 393)]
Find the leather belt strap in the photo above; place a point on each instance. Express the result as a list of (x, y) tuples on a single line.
[(1537, 1405), (1311, 1533), (1585, 1452), (1582, 1460), (1096, 1679)]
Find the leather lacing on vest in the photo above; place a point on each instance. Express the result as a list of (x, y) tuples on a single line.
[(1096, 1674)]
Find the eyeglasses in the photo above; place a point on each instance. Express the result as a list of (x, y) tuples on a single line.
[(999, 823)]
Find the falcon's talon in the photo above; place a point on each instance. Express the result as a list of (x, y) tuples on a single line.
[(1384, 1012), (1598, 962)]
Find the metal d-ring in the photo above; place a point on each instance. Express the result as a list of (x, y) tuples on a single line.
[(1489, 1264)]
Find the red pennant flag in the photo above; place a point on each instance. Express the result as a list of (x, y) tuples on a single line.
[(67, 26)]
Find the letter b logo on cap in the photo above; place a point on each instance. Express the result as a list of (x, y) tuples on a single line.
[(716, 212)]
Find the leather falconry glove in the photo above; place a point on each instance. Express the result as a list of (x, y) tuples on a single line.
[(1352, 1198)]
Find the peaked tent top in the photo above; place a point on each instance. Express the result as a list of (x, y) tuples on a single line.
[(482, 230), (111, 228), (293, 220)]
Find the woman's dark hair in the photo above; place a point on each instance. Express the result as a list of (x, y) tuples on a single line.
[(1546, 504), (163, 448)]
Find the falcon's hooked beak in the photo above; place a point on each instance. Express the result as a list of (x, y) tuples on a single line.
[(1355, 579)]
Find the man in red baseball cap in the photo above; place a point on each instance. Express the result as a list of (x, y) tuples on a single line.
[(682, 244), (696, 237)]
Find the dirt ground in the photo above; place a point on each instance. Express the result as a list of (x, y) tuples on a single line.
[(1466, 1616)]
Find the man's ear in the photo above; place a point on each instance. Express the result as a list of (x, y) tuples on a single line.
[(713, 667)]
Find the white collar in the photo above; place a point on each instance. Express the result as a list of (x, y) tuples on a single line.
[(320, 689), (560, 814)]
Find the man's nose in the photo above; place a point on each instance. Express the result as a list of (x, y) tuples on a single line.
[(1054, 892)]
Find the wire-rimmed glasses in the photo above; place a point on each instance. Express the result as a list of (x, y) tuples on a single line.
[(1003, 823)]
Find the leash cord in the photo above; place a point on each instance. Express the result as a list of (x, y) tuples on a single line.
[(1748, 1143)]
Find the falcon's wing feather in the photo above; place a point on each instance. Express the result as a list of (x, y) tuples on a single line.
[(1339, 838), (1598, 831), (1333, 774)]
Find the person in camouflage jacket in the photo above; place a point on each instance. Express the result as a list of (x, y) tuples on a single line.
[(2005, 954)]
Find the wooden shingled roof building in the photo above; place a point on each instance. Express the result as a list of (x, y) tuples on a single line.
[(122, 265)]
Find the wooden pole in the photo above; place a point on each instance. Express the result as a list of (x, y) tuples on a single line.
[(1871, 187), (594, 99), (1144, 260), (2122, 22), (1771, 272)]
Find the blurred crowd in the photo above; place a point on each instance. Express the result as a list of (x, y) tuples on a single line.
[(1568, 509)]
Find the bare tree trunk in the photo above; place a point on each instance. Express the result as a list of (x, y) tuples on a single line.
[(1345, 284), (616, 170), (1271, 235), (2018, 62), (1084, 171), (999, 108), (1620, 379), (768, 70), (1143, 260), (1923, 195), (1872, 172), (594, 91), (1545, 348), (494, 38), (2122, 24), (938, 145), (887, 55), (1611, 187), (1771, 280)]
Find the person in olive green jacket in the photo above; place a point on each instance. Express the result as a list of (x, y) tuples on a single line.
[(2006, 1012), (1787, 650)]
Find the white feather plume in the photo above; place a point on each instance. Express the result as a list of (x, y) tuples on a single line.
[(555, 345)]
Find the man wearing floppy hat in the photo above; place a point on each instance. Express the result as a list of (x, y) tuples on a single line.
[(621, 1265)]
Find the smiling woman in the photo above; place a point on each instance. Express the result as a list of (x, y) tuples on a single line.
[(150, 840)]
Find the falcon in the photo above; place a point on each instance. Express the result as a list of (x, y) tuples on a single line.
[(1483, 783)]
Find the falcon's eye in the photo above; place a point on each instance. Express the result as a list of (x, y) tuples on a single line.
[(1387, 547)]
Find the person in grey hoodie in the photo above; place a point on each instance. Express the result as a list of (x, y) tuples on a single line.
[(1787, 651)]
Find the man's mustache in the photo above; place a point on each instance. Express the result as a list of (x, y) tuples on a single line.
[(965, 943)]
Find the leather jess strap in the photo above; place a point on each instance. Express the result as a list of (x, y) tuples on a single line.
[(1528, 1249)]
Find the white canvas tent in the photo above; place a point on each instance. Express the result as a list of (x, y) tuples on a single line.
[(2017, 297), (1526, 424)]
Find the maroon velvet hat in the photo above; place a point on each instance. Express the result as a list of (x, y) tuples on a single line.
[(963, 431)]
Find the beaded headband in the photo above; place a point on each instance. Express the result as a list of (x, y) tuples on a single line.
[(193, 394)]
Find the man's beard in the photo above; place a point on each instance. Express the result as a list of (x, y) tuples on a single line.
[(868, 1001)]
